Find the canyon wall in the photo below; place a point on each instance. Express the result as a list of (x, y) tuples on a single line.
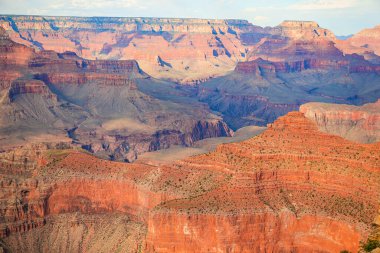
[(289, 189), (356, 123), (281, 194), (186, 50), (279, 78), (241, 70), (265, 232), (293, 188), (96, 103), (189, 51)]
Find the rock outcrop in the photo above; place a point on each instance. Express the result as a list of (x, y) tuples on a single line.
[(260, 67), (356, 123), (292, 188), (192, 49), (365, 42), (304, 30), (282, 74), (109, 107)]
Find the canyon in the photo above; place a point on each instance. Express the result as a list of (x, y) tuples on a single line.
[(111, 108), (187, 135), (248, 74), (188, 51), (281, 191)]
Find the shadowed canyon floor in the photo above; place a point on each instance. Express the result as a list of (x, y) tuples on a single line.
[(290, 189)]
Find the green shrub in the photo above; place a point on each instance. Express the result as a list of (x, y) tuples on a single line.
[(370, 245)]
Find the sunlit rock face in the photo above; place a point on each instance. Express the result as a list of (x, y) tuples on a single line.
[(273, 201), (356, 123), (292, 188), (365, 42), (70, 84), (109, 107), (249, 74), (186, 50)]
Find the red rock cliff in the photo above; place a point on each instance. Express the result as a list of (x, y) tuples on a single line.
[(291, 189)]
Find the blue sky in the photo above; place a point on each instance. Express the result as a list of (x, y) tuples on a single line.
[(341, 16)]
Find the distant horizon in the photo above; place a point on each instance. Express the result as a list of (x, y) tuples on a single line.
[(199, 18), (342, 17)]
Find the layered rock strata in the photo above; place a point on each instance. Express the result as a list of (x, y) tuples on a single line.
[(99, 104), (356, 123), (185, 50), (292, 188)]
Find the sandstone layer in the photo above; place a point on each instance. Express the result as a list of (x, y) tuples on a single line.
[(356, 123), (250, 75), (184, 50), (285, 185), (290, 189)]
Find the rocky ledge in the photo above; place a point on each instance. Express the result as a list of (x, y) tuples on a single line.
[(356, 123), (292, 188)]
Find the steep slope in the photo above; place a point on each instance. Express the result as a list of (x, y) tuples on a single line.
[(297, 63), (82, 233), (111, 108), (187, 50), (356, 123), (367, 40), (259, 91), (290, 189), (184, 50), (28, 107), (56, 198)]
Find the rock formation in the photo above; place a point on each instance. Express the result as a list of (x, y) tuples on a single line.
[(195, 49), (304, 30), (356, 123), (292, 188), (267, 71), (282, 74), (365, 42), (75, 87), (109, 107), (184, 50), (279, 190)]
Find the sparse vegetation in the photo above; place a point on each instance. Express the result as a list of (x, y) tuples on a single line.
[(370, 245)]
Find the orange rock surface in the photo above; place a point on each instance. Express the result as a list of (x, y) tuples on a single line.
[(292, 188), (185, 50)]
